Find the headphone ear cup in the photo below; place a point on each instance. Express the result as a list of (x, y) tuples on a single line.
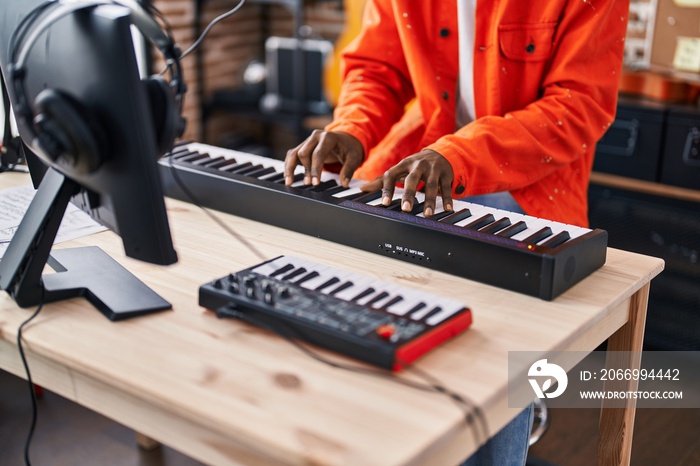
[(164, 112), (63, 133)]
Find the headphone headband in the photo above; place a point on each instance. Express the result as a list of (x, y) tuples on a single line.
[(41, 18), (138, 16)]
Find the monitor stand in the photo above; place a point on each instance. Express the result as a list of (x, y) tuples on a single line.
[(80, 272)]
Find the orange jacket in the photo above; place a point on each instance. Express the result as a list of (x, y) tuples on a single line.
[(545, 90)]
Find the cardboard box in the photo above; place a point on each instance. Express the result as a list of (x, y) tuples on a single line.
[(676, 36)]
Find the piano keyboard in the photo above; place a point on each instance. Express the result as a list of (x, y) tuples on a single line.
[(376, 322), (526, 254)]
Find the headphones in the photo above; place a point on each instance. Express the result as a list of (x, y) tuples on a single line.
[(63, 128)]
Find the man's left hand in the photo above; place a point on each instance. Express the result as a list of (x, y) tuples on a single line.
[(427, 166)]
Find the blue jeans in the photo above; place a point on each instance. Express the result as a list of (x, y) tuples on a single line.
[(509, 446), (502, 200)]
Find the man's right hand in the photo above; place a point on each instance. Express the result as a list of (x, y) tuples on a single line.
[(320, 148)]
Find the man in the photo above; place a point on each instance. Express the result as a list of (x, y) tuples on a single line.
[(463, 98)]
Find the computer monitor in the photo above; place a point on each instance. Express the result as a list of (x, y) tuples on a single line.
[(97, 130)]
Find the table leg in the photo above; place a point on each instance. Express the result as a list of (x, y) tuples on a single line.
[(145, 442), (624, 351)]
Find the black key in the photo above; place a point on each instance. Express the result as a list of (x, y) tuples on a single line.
[(218, 163), (181, 154), (433, 311), (308, 276), (297, 177), (394, 205), (336, 190), (557, 239), (233, 168), (512, 230), (282, 270), (327, 283), (366, 197), (193, 157), (417, 208), (294, 274), (355, 196), (377, 298), (393, 301), (340, 288), (416, 308), (319, 187), (322, 186), (481, 222), (440, 215), (538, 236), (179, 151), (206, 161), (368, 291), (260, 172), (457, 216), (275, 178), (246, 170), (496, 226)]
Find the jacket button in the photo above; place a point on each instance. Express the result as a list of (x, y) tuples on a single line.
[(445, 95), (530, 48), (444, 32), (459, 189)]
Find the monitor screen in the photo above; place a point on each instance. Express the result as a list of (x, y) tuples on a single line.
[(104, 129)]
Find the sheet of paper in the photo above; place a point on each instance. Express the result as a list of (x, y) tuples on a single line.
[(687, 56), (14, 203), (687, 3)]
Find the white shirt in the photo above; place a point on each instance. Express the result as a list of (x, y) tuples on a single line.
[(466, 11)]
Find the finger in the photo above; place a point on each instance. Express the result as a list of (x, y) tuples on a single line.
[(388, 185), (305, 155), (373, 185), (290, 164), (431, 192), (318, 159), (446, 193), (410, 186), (346, 172)]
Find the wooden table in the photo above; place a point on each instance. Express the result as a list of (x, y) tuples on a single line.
[(226, 393)]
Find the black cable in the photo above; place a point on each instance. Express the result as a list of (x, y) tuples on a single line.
[(432, 384), (201, 37), (195, 201), (204, 33), (29, 382)]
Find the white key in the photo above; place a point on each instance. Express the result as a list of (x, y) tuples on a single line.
[(442, 315), (347, 192)]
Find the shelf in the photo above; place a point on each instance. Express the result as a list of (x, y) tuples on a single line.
[(647, 187)]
